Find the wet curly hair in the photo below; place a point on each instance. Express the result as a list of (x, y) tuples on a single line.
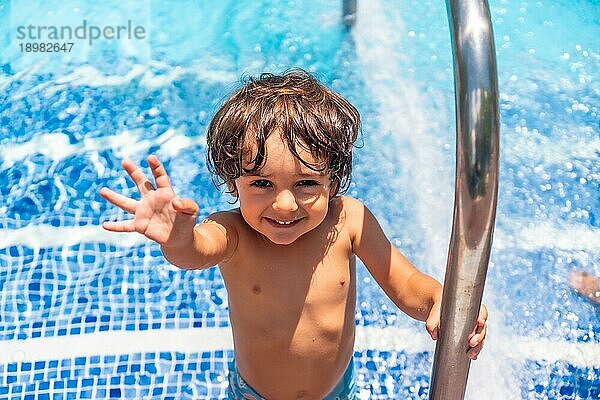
[(305, 113)]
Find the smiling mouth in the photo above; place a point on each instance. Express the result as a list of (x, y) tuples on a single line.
[(282, 223)]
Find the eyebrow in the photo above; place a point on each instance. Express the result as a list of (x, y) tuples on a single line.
[(314, 174)]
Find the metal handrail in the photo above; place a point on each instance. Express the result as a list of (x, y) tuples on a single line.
[(476, 192)]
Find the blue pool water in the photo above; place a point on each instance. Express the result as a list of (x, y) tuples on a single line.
[(87, 314)]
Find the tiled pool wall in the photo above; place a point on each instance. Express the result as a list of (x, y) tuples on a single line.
[(175, 375)]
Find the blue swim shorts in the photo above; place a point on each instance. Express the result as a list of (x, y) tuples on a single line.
[(239, 389)]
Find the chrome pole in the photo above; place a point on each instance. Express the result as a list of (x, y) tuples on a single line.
[(476, 192)]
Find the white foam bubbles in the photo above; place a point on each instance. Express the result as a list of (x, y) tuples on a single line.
[(410, 120), (126, 143)]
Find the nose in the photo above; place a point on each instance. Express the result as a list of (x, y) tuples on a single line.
[(285, 201)]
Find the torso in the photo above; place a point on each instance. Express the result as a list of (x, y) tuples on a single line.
[(292, 313)]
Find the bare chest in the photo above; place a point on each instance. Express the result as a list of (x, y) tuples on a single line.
[(294, 281), (281, 288)]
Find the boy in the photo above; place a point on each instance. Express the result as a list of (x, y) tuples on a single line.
[(283, 146)]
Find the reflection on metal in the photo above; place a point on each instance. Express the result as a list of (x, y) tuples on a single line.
[(477, 137), (349, 13)]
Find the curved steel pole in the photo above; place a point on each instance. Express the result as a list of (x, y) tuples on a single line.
[(476, 191)]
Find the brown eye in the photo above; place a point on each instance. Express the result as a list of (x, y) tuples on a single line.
[(308, 182), (261, 183)]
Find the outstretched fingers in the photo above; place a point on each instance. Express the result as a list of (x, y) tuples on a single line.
[(139, 178), (119, 226), (160, 173), (185, 206), (123, 202)]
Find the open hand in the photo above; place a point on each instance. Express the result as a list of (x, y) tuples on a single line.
[(159, 215)]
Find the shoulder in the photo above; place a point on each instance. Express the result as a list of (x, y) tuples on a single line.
[(348, 207), (351, 213), (349, 204), (360, 223), (222, 231), (224, 225), (228, 219)]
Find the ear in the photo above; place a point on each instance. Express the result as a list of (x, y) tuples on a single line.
[(334, 186), (232, 189)]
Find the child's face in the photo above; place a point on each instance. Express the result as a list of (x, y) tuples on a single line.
[(284, 199)]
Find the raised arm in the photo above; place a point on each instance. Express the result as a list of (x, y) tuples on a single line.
[(213, 241), (170, 221)]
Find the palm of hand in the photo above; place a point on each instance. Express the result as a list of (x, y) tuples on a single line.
[(155, 214)]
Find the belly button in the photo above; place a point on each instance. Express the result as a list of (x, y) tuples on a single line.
[(256, 289), (342, 282)]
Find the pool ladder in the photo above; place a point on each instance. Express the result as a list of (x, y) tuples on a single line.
[(476, 188), (476, 192)]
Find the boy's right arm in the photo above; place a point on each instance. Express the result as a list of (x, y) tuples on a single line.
[(212, 241), (170, 221)]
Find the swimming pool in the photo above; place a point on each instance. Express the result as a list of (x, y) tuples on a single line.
[(88, 314)]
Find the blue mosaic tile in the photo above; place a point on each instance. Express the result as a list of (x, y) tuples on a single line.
[(382, 374), (80, 305), (42, 291)]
